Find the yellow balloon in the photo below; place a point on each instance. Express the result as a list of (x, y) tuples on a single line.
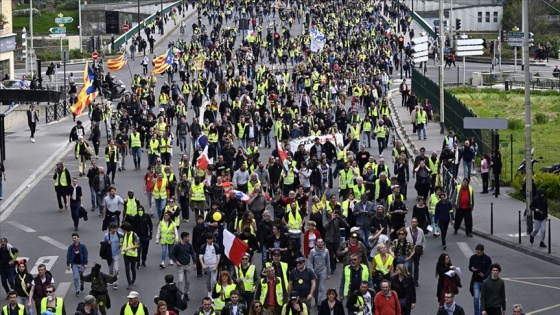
[(217, 216)]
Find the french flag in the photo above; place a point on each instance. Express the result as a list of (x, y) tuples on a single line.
[(202, 162), (239, 195), (282, 155), (234, 247)]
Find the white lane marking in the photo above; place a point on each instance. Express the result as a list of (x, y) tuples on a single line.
[(22, 227), (54, 242), (517, 234), (530, 283), (535, 278), (543, 309), (62, 288), (465, 249), (48, 261)]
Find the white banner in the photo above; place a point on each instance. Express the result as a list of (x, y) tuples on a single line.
[(308, 142), (317, 41)]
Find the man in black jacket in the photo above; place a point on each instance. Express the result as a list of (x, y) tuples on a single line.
[(450, 307), (101, 184), (143, 227), (168, 293), (539, 206), (366, 306), (234, 302)]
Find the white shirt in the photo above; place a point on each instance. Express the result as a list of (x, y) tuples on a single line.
[(368, 302)]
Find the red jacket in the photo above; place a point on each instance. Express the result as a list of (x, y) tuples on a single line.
[(390, 306), (306, 248)]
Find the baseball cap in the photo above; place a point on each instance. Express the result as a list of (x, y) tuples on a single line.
[(294, 295), (133, 295), (300, 259), (354, 229)]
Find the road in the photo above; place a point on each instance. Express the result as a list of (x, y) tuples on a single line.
[(43, 234)]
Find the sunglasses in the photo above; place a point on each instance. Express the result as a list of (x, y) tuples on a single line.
[(401, 234), (50, 291), (258, 306)]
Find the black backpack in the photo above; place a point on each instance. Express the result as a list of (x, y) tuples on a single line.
[(181, 300)]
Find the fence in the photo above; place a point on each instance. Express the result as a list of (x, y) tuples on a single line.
[(455, 111), (54, 112)]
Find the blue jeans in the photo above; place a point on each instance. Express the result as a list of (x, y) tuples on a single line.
[(136, 157), (434, 225), (165, 248), (76, 274), (183, 143), (467, 167), (476, 297), (160, 205), (264, 250), (421, 130), (93, 197)]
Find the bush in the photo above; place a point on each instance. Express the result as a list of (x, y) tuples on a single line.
[(68, 5), (541, 118), (25, 12), (547, 181), (76, 54), (515, 124)]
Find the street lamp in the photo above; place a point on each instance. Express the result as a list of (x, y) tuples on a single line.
[(80, 21), (31, 50)]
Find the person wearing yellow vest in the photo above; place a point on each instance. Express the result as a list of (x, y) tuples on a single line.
[(130, 207), (463, 203), (61, 179), (165, 147), (381, 265), (421, 122), (346, 180), (129, 251), (246, 275), (380, 132), (432, 202), (111, 158), (206, 308), (135, 144), (366, 127), (222, 290), (167, 235), (134, 307), (433, 165), (163, 101), (353, 275), (272, 301), (13, 307), (160, 193), (52, 303), (153, 149), (361, 300), (197, 197)]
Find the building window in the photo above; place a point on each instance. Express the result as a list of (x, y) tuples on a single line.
[(487, 17), (495, 17), (479, 17)]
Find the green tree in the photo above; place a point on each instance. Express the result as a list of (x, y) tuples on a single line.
[(537, 9)]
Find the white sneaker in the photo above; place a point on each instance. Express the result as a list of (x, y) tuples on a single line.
[(170, 262), (33, 140)]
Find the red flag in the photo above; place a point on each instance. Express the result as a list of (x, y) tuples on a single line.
[(202, 161), (234, 247), (281, 153)]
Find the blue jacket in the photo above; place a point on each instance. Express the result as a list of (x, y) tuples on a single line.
[(70, 254), (444, 212)]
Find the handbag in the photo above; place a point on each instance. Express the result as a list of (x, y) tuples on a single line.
[(418, 250)]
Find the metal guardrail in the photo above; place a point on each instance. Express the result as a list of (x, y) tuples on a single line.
[(54, 112), (448, 181)]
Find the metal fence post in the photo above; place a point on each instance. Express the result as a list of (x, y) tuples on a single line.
[(549, 237), (492, 218), (2, 139), (519, 226)]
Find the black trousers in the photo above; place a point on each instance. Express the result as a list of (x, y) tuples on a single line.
[(464, 214), (33, 126), (112, 169), (333, 247), (485, 177), (130, 268), (61, 195), (143, 250), (443, 226)]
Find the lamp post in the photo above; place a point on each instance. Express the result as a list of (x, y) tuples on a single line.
[(24, 44), (31, 50), (515, 29), (80, 22)]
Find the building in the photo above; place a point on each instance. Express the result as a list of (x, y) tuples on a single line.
[(475, 15), (7, 40)]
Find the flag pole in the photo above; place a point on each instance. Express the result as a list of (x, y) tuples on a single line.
[(129, 71)]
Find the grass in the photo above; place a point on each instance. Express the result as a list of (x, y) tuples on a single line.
[(42, 23), (545, 110)]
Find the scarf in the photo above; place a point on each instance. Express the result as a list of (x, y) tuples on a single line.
[(449, 309)]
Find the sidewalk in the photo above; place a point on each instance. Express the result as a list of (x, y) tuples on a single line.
[(506, 209), (26, 162)]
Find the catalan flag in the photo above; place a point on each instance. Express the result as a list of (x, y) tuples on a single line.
[(161, 63), (87, 92), (118, 63)]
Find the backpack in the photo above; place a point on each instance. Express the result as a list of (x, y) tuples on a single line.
[(181, 300)]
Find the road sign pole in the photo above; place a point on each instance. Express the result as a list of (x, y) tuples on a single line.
[(515, 59), (441, 72), (401, 63), (464, 71), (528, 144)]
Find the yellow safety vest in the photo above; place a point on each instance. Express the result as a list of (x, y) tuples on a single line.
[(112, 152), (434, 166), (434, 199), (164, 144), (220, 302), (381, 131), (131, 207), (135, 140), (358, 192), (366, 126), (346, 179), (240, 130), (21, 309), (421, 117), (154, 147), (161, 191), (177, 221), (129, 242), (163, 99), (198, 192), (355, 132), (61, 177), (251, 186), (247, 278), (139, 311), (347, 271), (383, 267), (345, 207), (167, 233), (284, 267), (290, 178), (213, 137), (458, 192), (279, 291), (294, 222), (59, 305)]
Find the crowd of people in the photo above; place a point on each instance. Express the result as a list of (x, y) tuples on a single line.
[(305, 212)]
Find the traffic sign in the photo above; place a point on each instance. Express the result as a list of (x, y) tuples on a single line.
[(64, 20), (470, 53), (419, 54), (125, 27), (519, 34), (518, 44), (421, 59), (474, 47), (515, 39), (419, 40), (94, 55), (57, 30), (465, 42), (420, 47), (57, 35)]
